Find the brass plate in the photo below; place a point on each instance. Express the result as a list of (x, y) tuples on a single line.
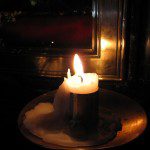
[(133, 117)]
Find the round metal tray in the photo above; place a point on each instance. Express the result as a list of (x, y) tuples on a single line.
[(133, 119)]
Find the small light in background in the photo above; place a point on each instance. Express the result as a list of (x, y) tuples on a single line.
[(33, 2), (93, 13), (52, 43)]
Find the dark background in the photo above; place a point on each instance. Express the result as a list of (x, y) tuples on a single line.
[(63, 24), (18, 88)]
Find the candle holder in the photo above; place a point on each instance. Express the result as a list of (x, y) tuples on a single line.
[(115, 125)]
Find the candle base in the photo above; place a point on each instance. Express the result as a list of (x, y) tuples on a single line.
[(84, 114)]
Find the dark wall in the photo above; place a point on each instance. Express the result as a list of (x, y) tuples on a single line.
[(147, 44), (138, 32)]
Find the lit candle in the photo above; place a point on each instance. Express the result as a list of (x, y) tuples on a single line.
[(81, 83), (83, 100), (77, 101)]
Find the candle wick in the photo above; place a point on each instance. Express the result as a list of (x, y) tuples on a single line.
[(81, 78)]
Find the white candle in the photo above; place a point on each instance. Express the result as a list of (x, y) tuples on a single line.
[(81, 83)]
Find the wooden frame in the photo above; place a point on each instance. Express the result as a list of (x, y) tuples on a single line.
[(107, 53), (107, 63)]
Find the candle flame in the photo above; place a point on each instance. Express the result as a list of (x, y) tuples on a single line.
[(78, 65)]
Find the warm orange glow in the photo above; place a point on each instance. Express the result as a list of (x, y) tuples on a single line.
[(78, 68), (105, 44)]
